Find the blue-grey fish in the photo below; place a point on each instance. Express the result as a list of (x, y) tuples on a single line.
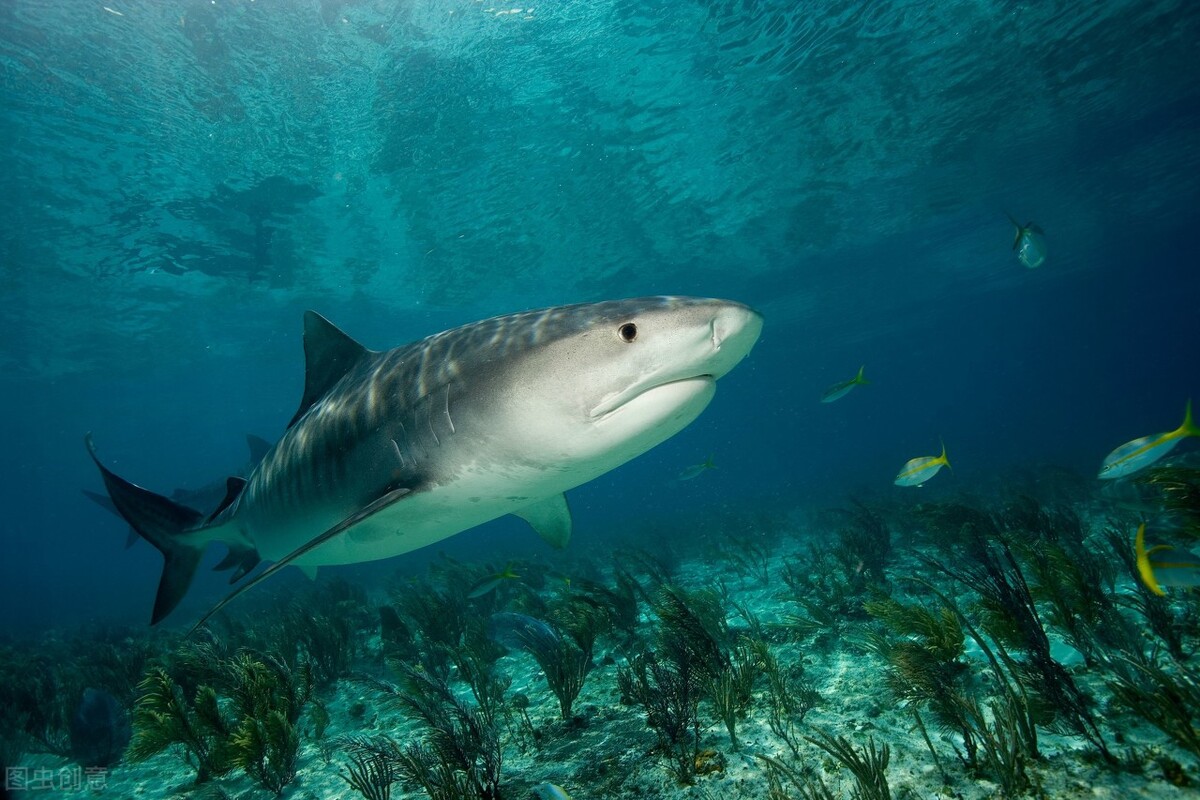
[(100, 730), (696, 470), (1029, 243), (1141, 453), (391, 451), (919, 470), (550, 791), (840, 390)]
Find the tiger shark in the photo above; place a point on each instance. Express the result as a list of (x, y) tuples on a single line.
[(393, 450)]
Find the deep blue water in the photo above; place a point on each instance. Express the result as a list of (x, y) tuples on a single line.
[(183, 179)]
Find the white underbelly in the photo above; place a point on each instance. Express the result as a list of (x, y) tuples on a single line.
[(421, 519)]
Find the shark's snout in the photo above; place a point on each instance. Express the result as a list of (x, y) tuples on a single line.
[(734, 329)]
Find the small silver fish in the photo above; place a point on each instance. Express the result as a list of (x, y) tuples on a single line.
[(696, 470), (840, 390), (919, 470), (1029, 243), (1141, 453), (550, 791)]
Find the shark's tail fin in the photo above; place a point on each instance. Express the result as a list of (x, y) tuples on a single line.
[(161, 522)]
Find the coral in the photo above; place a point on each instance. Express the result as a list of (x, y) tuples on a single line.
[(563, 661)]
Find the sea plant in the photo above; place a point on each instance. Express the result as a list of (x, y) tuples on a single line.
[(863, 547), (730, 688), (373, 766), (460, 753), (268, 697), (163, 718), (619, 604), (1168, 700), (1010, 615), (563, 660), (669, 693), (868, 765), (779, 773), (926, 667), (790, 696), (1177, 488)]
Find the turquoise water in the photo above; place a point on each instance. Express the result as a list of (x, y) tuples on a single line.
[(183, 179)]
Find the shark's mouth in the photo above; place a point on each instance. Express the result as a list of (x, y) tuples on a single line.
[(620, 400)]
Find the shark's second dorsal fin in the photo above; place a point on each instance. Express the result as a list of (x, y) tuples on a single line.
[(328, 355), (233, 490)]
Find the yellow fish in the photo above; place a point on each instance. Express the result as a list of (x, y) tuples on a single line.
[(1029, 244), (549, 791), (919, 470), (490, 583), (1163, 565), (1141, 453), (840, 390), (696, 470)]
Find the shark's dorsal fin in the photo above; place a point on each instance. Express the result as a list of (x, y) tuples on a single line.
[(551, 518), (328, 355), (258, 447)]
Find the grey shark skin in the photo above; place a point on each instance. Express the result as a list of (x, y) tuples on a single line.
[(391, 451)]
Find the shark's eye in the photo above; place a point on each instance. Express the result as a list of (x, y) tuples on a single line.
[(627, 332)]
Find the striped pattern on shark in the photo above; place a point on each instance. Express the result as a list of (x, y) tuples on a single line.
[(391, 451)]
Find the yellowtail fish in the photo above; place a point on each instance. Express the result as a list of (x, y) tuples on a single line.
[(1163, 565), (1141, 453), (840, 390), (696, 470), (549, 791), (491, 582), (1029, 243), (919, 470)]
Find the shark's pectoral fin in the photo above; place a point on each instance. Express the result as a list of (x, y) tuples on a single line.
[(364, 513), (551, 518)]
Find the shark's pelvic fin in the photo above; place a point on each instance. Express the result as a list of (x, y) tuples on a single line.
[(370, 510), (161, 522), (328, 355), (551, 518), (243, 557)]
